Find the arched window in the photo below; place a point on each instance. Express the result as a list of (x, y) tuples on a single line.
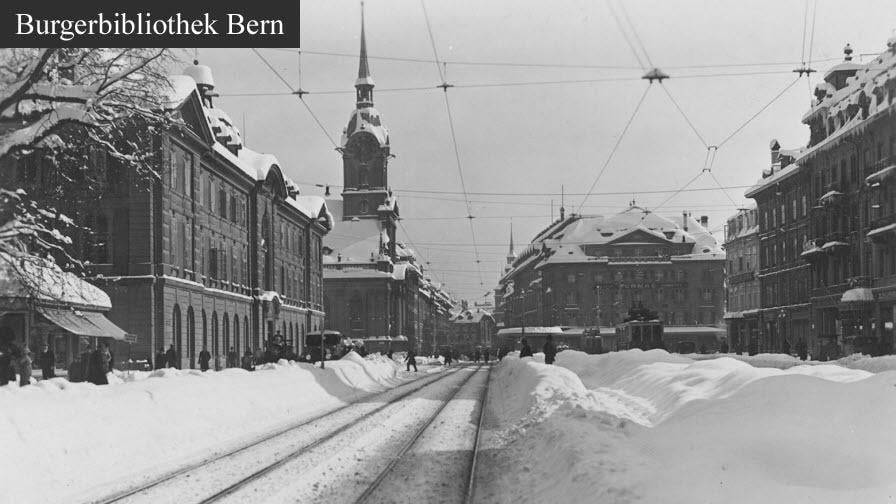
[(226, 323), (204, 330), (215, 342), (176, 335), (236, 332), (191, 337)]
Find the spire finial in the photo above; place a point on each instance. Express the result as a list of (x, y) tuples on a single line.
[(364, 83)]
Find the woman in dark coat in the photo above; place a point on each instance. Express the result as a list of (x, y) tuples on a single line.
[(526, 350), (550, 350), (47, 363), (204, 358)]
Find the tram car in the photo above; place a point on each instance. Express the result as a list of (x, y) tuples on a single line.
[(327, 338), (382, 344), (599, 340), (642, 329)]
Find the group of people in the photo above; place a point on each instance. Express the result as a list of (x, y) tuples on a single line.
[(16, 363), (481, 354), (270, 353), (549, 349)]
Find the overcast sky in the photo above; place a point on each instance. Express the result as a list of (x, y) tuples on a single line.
[(537, 138)]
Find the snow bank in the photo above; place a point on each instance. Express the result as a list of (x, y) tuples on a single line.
[(654, 427), (77, 437)]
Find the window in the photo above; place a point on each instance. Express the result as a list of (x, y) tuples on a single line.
[(208, 192), (571, 278), (222, 202), (233, 209), (571, 298), (213, 262), (364, 207)]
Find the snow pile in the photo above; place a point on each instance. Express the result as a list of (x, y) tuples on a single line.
[(782, 361), (653, 427), (78, 437)]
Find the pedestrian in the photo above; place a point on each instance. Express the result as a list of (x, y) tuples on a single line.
[(9, 354), (171, 357), (160, 358), (268, 354), (802, 349), (785, 347), (724, 347), (447, 356), (98, 367), (411, 359), (24, 367), (47, 362), (526, 350), (550, 350), (290, 354), (485, 355), (204, 358), (233, 358), (248, 361)]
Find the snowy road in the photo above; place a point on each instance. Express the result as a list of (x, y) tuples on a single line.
[(336, 458)]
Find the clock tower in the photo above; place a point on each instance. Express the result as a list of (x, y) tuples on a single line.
[(365, 158)]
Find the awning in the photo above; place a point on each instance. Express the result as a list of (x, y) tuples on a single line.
[(858, 295), (882, 231), (83, 323), (879, 176)]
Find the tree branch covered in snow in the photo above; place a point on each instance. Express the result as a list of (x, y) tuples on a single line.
[(59, 108)]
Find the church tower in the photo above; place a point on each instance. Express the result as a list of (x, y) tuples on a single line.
[(365, 151)]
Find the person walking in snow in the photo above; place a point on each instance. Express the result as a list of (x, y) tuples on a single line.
[(204, 358), (248, 361), (526, 350), (233, 358), (97, 367), (160, 358), (411, 359), (47, 362), (550, 350), (802, 349), (9, 354), (485, 355), (171, 357)]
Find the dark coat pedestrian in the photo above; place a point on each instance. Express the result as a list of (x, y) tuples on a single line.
[(47, 363), (97, 368), (447, 356), (485, 355), (802, 349), (161, 360), (204, 358), (525, 350), (248, 361), (171, 357), (723, 348), (9, 353), (550, 350), (411, 359)]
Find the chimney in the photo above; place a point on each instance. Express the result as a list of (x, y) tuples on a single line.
[(704, 221), (684, 221), (775, 147)]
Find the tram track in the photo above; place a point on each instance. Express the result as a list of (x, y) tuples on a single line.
[(145, 489)]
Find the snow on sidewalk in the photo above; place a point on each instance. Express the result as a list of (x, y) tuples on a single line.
[(63, 439), (655, 427)]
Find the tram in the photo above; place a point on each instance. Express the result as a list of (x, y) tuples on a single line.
[(312, 347)]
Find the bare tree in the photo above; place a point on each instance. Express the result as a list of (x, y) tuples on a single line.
[(58, 109)]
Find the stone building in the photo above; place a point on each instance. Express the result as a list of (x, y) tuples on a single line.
[(218, 251), (472, 328), (587, 271), (373, 284), (742, 283), (827, 217)]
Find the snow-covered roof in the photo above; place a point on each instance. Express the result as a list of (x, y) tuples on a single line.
[(366, 120), (857, 295), (37, 279), (530, 330)]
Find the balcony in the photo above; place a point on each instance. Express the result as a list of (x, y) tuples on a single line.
[(836, 246), (881, 176), (831, 198), (744, 276), (883, 234)]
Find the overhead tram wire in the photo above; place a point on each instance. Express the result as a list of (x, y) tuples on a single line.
[(411, 241), (445, 85), (297, 92), (614, 149), (510, 64)]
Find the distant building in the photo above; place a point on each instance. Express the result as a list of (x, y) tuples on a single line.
[(373, 285), (742, 283), (472, 328), (827, 218), (588, 271)]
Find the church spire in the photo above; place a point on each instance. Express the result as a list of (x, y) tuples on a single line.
[(511, 255), (364, 83)]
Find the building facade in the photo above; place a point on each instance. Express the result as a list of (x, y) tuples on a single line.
[(827, 219), (472, 328), (588, 271), (373, 285), (218, 251), (742, 283)]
